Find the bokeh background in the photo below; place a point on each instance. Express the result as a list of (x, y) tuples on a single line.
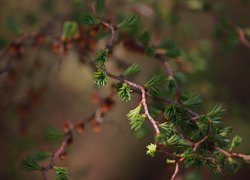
[(44, 89)]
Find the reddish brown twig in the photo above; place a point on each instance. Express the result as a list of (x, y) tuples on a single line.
[(242, 36), (18, 41), (56, 155), (168, 68), (104, 106), (143, 98), (197, 144), (233, 154), (113, 34), (145, 105), (177, 168)]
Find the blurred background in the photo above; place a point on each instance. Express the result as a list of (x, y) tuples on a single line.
[(42, 89)]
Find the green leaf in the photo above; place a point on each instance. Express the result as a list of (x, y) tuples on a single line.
[(166, 131), (195, 4), (53, 134), (173, 53), (213, 167), (145, 38), (171, 86), (134, 113), (125, 92), (150, 51), (235, 166), (154, 81), (170, 161), (99, 6), (220, 158), (102, 57), (62, 173), (30, 164), (203, 123), (129, 22), (193, 101), (132, 70), (100, 78), (221, 141), (192, 159), (216, 113), (136, 118), (235, 142), (151, 149), (89, 19), (226, 131), (247, 31), (173, 113), (178, 140), (168, 44), (137, 123), (142, 131), (69, 29), (171, 48), (39, 156), (187, 153)]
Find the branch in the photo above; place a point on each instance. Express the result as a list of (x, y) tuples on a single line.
[(68, 137), (197, 144), (145, 106), (242, 36), (233, 154), (18, 41), (143, 98), (168, 68), (99, 113), (105, 105), (177, 168), (176, 171), (109, 45)]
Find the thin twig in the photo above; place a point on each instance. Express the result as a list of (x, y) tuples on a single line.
[(242, 36), (141, 88), (143, 98), (197, 144), (233, 154), (145, 105), (19, 40), (176, 171), (113, 34), (98, 115), (59, 151), (177, 168), (168, 68)]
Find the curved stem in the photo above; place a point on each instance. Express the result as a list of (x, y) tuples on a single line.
[(145, 105)]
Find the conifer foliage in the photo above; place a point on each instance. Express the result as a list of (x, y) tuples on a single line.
[(181, 135)]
